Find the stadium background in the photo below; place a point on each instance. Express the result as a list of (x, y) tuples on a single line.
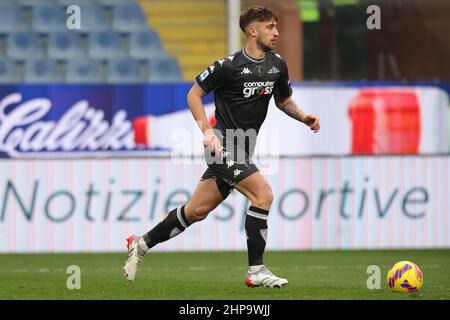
[(97, 142)]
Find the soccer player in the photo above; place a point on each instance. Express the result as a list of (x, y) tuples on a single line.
[(243, 84)]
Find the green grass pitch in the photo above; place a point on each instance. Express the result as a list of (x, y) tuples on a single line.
[(219, 275)]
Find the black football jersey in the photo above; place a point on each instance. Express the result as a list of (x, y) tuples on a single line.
[(242, 89)]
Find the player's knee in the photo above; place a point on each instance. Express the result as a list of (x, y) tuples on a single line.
[(199, 213), (263, 199)]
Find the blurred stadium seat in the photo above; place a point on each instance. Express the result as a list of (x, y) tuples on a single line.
[(65, 45), (9, 72), (93, 18), (105, 45), (32, 3), (84, 71), (75, 2), (12, 18), (128, 18), (145, 44), (124, 70), (114, 36), (42, 70), (164, 69), (23, 45), (48, 18), (110, 3)]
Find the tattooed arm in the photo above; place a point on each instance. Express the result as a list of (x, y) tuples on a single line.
[(289, 107)]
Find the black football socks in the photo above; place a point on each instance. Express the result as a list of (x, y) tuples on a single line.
[(174, 224), (256, 231)]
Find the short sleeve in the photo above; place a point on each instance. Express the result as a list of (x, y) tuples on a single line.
[(283, 88), (215, 76)]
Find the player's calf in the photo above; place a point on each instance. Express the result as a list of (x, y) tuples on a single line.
[(256, 232), (174, 224)]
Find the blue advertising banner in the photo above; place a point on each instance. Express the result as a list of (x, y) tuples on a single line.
[(49, 119)]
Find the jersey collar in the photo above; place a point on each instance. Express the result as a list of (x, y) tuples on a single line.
[(252, 59)]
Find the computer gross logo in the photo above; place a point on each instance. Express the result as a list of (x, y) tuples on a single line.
[(257, 88)]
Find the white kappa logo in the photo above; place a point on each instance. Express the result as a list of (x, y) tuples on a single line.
[(225, 154), (246, 71)]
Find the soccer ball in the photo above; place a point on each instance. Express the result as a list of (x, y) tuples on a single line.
[(405, 276)]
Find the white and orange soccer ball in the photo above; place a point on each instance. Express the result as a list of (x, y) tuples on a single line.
[(405, 276)]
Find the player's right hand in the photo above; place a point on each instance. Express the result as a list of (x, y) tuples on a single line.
[(211, 142)]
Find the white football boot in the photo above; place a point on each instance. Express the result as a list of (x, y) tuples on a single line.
[(263, 277), (135, 256)]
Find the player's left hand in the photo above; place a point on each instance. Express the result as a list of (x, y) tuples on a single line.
[(312, 121)]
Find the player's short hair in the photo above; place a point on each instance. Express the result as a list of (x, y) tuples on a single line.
[(255, 13)]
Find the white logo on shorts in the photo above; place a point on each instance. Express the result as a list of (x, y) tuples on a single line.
[(230, 163), (225, 154), (237, 172)]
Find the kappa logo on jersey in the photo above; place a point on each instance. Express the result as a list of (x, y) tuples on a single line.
[(246, 71), (273, 70), (257, 88)]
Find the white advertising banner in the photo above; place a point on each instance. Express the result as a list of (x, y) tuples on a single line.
[(92, 205), (354, 120)]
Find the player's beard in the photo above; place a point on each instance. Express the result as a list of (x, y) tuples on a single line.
[(265, 46)]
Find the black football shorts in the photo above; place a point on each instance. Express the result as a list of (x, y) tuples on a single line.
[(227, 171)]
